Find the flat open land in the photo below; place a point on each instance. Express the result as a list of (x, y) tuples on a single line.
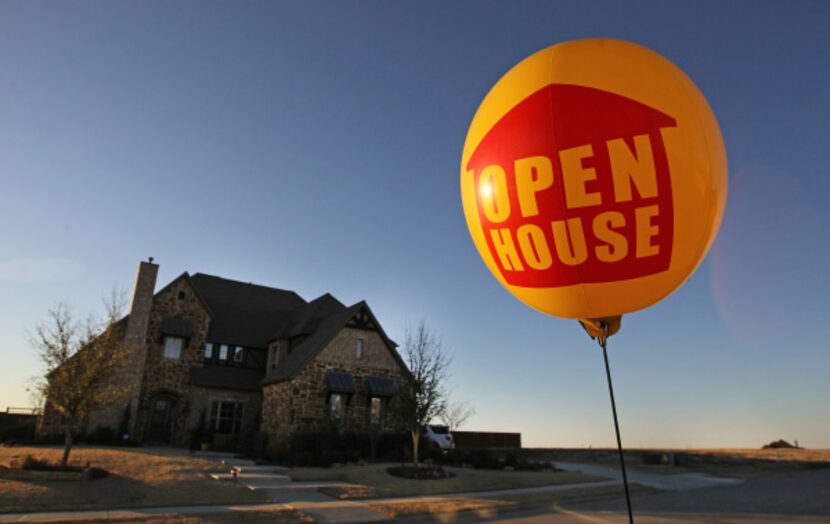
[(727, 462), (786, 455), (138, 478)]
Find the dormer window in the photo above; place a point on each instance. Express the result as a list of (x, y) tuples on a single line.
[(223, 352), (359, 349), (208, 351), (273, 356), (237, 354)]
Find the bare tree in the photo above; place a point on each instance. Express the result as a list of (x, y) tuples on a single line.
[(427, 395), (456, 414), (80, 363)]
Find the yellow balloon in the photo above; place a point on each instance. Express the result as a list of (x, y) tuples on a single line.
[(593, 178)]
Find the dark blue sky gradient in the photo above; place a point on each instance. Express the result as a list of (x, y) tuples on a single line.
[(315, 146)]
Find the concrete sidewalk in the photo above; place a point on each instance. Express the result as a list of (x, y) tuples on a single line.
[(118, 514), (320, 507), (301, 496)]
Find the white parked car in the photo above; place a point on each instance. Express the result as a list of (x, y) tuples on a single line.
[(438, 436)]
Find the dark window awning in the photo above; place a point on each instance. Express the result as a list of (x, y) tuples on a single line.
[(177, 328), (380, 387), (340, 382)]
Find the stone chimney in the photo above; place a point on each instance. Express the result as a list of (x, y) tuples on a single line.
[(145, 286), (136, 336)]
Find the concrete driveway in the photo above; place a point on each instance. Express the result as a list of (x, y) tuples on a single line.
[(666, 482), (793, 497), (792, 494)]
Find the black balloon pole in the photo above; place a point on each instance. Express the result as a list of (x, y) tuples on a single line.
[(603, 340)]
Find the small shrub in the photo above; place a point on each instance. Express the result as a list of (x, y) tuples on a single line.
[(302, 459), (420, 472), (278, 452), (394, 447), (484, 459), (102, 435), (330, 456)]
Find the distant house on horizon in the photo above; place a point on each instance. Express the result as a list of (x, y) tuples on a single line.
[(239, 358)]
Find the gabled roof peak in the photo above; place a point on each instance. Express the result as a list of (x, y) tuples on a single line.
[(323, 333), (239, 282)]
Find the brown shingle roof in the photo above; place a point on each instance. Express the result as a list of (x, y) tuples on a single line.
[(244, 314)]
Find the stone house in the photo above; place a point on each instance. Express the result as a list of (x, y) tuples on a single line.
[(238, 358)]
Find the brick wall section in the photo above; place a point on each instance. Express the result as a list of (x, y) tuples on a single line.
[(300, 405), (173, 375)]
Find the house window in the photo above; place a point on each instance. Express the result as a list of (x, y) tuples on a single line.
[(173, 347), (375, 410), (208, 351), (337, 403), (226, 417), (237, 354), (275, 357), (182, 295), (223, 352), (359, 349)]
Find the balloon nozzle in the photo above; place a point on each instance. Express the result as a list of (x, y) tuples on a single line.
[(601, 328)]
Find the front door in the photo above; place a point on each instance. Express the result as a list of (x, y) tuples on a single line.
[(161, 413)]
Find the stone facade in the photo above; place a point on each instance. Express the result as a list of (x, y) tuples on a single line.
[(302, 404), (170, 378), (166, 405), (201, 400)]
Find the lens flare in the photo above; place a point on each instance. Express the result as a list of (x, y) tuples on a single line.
[(771, 249), (486, 190)]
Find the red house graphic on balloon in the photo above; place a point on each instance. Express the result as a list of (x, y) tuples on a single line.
[(573, 186)]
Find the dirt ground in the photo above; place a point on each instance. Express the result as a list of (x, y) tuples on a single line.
[(287, 516), (138, 478), (485, 505)]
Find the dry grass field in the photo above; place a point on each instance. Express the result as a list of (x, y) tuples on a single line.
[(773, 455), (286, 516), (728, 462), (484, 507), (785, 455), (373, 481), (138, 478)]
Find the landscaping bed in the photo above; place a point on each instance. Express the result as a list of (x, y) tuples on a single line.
[(30, 468)]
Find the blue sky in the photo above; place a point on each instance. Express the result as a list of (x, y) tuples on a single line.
[(315, 146)]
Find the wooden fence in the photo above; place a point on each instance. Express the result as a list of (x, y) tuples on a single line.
[(484, 439)]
